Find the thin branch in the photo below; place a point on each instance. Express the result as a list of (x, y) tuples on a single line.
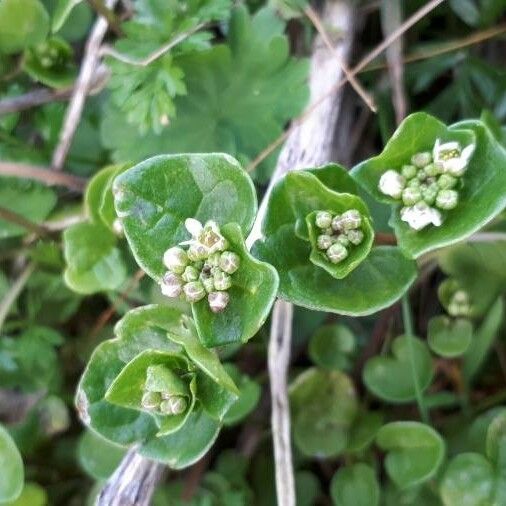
[(76, 105), (41, 96), (13, 293), (317, 23), (100, 8), (21, 221), (107, 50), (46, 176)]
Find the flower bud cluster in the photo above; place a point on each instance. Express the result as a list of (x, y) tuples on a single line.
[(204, 269), (460, 304), (164, 403), (429, 184), (339, 233)]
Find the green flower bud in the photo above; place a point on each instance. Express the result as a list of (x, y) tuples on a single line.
[(222, 281), (420, 160), (433, 169), (151, 400), (175, 259), (214, 259), (355, 236), (343, 239), (429, 193), (323, 219), (421, 176), (190, 274), (337, 253), (172, 285), (197, 252), (409, 171), (194, 291), (218, 301), (324, 241), (229, 262), (174, 405), (446, 181), (328, 231), (411, 196), (414, 183), (208, 282), (351, 219), (447, 199), (336, 223)]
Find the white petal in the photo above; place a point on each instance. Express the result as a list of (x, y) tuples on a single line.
[(455, 166), (419, 217), (193, 226), (392, 183), (467, 152)]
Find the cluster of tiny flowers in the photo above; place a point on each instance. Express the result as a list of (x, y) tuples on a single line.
[(338, 233), (428, 184), (460, 304), (164, 403), (204, 269)]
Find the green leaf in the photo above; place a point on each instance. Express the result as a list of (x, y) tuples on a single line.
[(252, 294), (332, 346), (415, 452), (154, 198), (31, 495), (97, 456), (324, 406), (496, 440), (249, 395), (94, 263), (95, 191), (29, 199), (480, 198), (23, 23), (469, 480), (391, 378), (355, 485), (364, 430), (12, 475), (449, 338), (62, 12), (482, 341), (251, 81)]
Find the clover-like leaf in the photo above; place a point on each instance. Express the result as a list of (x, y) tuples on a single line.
[(480, 196), (364, 430), (332, 346), (415, 452), (355, 485), (143, 387), (254, 288), (324, 406), (154, 198), (385, 271), (11, 464), (391, 378), (449, 338)]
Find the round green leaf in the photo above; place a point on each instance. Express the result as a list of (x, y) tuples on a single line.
[(23, 23), (355, 485), (481, 197), (32, 495), (496, 440), (154, 198), (331, 347), (469, 480), (415, 452), (364, 430), (12, 476), (97, 456), (254, 289), (95, 191), (249, 395), (449, 338), (390, 378), (324, 406)]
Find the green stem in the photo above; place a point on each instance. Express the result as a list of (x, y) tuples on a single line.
[(408, 329)]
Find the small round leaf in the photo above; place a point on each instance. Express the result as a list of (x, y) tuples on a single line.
[(12, 475), (331, 347), (449, 338), (355, 485)]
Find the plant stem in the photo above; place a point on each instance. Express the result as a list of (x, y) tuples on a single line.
[(408, 330)]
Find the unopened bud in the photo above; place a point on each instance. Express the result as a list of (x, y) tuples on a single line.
[(447, 199), (229, 262), (218, 301), (351, 219), (175, 405), (336, 223), (175, 259), (172, 285), (446, 181), (343, 239), (194, 291), (151, 400), (207, 281), (324, 242), (222, 281), (214, 259), (433, 169), (190, 274), (323, 219), (409, 171), (197, 252), (337, 253), (411, 196), (421, 159), (355, 236)]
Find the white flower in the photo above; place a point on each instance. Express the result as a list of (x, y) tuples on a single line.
[(420, 215), (452, 157), (193, 226), (392, 183)]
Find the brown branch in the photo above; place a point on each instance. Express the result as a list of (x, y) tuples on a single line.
[(20, 220), (46, 176), (100, 8)]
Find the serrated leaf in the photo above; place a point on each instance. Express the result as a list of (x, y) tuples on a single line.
[(252, 294), (355, 485), (154, 198), (480, 199), (391, 378), (11, 464), (449, 338), (415, 452), (94, 263), (23, 23)]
